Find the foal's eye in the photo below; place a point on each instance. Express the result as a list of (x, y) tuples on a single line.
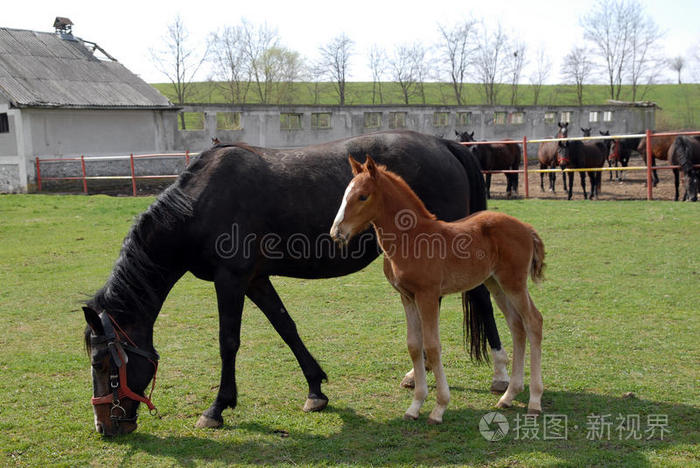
[(363, 197)]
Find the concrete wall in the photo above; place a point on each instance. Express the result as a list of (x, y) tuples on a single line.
[(260, 125), (12, 166)]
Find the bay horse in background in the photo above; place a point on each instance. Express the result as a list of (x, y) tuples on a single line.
[(685, 152), (659, 150), (216, 221), (547, 156), (509, 250), (620, 152), (496, 157), (582, 155)]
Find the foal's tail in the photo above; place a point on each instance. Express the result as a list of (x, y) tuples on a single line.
[(537, 267)]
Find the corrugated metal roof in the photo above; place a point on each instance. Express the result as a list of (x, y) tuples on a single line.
[(44, 70)]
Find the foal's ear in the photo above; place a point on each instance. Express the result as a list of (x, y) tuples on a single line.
[(371, 166), (93, 320), (354, 165)]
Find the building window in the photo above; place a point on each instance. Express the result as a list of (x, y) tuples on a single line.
[(228, 121), (373, 119), (464, 119), (4, 123), (289, 121), (517, 118), (565, 117), (550, 117), (441, 119), (592, 117), (190, 121), (499, 118), (607, 116), (397, 120), (320, 120)]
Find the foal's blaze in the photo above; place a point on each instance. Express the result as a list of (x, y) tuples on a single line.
[(487, 247)]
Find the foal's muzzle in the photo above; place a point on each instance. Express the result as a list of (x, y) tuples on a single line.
[(338, 235)]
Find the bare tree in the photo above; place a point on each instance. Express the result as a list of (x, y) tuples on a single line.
[(576, 69), (624, 38), (231, 68), (543, 67), (257, 42), (457, 50), (403, 71), (335, 57), (421, 67), (490, 60), (179, 61), (516, 62), (377, 63), (677, 64)]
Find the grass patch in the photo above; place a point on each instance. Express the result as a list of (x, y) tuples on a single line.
[(620, 309)]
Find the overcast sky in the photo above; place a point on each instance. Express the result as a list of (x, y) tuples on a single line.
[(128, 29)]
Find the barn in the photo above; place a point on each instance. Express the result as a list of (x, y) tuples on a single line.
[(63, 96)]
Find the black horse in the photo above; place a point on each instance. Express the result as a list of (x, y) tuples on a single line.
[(496, 157), (581, 155), (238, 215), (685, 152), (620, 152)]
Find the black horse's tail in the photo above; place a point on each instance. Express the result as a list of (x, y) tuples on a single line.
[(478, 321)]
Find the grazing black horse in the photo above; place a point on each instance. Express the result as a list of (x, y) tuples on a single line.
[(581, 155), (238, 215), (685, 152), (496, 157)]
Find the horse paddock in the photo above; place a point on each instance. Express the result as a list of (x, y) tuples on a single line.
[(619, 351)]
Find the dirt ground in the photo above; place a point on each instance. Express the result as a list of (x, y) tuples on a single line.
[(633, 187)]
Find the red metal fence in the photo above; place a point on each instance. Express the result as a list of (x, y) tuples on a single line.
[(133, 177)]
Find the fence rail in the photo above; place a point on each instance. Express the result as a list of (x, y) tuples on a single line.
[(649, 135)]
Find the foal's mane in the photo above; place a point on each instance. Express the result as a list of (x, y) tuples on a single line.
[(403, 186)]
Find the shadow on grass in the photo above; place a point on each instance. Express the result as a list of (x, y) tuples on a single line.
[(361, 440)]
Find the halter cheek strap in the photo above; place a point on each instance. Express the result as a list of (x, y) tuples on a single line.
[(117, 378)]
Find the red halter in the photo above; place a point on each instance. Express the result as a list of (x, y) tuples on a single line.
[(117, 380)]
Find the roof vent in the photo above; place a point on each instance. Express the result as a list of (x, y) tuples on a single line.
[(64, 27)]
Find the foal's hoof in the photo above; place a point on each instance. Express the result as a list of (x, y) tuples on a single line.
[(315, 404), (503, 405), (499, 386), (534, 411), (408, 382), (433, 422), (410, 417), (206, 422)]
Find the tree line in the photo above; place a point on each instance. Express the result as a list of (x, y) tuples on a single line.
[(249, 61)]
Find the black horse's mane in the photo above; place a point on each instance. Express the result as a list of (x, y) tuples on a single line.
[(132, 286)]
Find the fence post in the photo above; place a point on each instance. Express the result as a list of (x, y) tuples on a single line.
[(187, 158), (133, 174), (82, 165), (527, 180), (38, 174), (649, 164)]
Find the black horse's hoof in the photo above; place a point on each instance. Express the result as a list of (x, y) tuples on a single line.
[(205, 421), (315, 403)]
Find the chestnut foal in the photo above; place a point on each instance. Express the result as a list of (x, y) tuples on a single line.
[(425, 258)]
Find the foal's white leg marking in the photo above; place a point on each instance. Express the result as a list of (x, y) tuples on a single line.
[(500, 370), (409, 380), (341, 211), (414, 341)]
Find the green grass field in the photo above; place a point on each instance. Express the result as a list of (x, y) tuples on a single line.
[(679, 104), (620, 308)]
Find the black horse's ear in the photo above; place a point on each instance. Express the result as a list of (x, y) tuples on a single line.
[(93, 320), (457, 133), (471, 135), (354, 165)]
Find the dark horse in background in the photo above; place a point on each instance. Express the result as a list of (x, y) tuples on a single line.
[(547, 156), (620, 152), (240, 214), (581, 155), (496, 157), (685, 152)]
